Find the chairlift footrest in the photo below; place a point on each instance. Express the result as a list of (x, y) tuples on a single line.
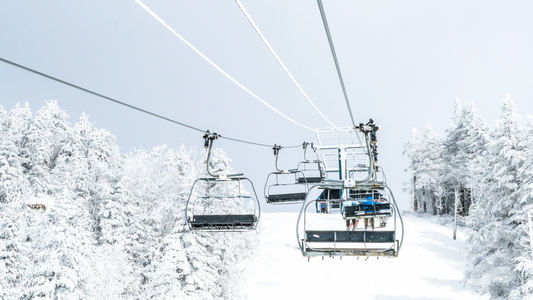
[(348, 236), (310, 179), (219, 222), (292, 197)]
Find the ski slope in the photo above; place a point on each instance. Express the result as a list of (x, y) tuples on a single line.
[(430, 265)]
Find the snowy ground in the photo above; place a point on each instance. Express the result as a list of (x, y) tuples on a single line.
[(429, 266)]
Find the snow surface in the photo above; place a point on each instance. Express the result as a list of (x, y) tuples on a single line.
[(429, 266)]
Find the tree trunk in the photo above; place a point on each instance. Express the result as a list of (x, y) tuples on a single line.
[(434, 205), (415, 198), (468, 201), (457, 200)]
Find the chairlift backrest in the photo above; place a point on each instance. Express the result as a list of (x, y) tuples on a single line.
[(204, 191)]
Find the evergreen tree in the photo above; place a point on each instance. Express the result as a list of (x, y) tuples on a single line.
[(465, 142), (59, 270), (116, 229), (430, 171), (497, 226), (14, 250), (411, 149), (12, 182), (524, 243)]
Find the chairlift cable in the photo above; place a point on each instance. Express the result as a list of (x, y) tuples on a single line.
[(99, 95), (129, 105), (217, 67), (279, 60), (326, 27)]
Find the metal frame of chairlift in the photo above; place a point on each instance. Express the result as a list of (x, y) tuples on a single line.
[(329, 203), (348, 242), (285, 198), (223, 222), (302, 166), (339, 144), (363, 210)]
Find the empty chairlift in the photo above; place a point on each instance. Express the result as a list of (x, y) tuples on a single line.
[(283, 186), (219, 202), (310, 171)]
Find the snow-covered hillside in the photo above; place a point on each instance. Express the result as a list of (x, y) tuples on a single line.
[(430, 266)]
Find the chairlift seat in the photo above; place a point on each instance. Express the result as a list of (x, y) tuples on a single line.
[(350, 252), (363, 194), (309, 179), (345, 236), (367, 209), (291, 197), (222, 221)]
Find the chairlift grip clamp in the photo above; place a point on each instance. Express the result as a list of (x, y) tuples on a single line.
[(276, 149), (209, 138)]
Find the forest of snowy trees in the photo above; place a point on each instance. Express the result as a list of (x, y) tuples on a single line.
[(115, 228), (491, 170)]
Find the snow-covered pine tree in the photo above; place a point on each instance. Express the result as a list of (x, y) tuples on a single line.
[(524, 243), (117, 227), (466, 141), (60, 253), (99, 160), (430, 170), (168, 280), (213, 256), (496, 223), (12, 182), (111, 273), (14, 250), (18, 122), (411, 149), (47, 129)]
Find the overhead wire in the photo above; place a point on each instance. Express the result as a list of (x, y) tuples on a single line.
[(241, 6), (330, 40), (131, 106), (216, 66)]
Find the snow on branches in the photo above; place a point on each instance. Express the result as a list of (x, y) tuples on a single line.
[(114, 224), (492, 172)]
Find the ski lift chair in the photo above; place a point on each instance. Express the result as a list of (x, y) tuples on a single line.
[(279, 183), (284, 186), (311, 171), (335, 242), (221, 222), (233, 195)]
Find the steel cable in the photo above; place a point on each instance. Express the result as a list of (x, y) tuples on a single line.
[(330, 40), (217, 67), (279, 60), (129, 105)]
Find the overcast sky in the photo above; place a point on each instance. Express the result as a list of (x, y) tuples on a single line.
[(404, 63)]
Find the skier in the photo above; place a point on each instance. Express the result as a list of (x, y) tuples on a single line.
[(383, 220), (351, 223), (369, 201)]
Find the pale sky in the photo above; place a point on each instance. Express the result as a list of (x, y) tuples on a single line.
[(403, 62)]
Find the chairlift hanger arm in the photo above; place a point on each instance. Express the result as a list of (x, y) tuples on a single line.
[(208, 144)]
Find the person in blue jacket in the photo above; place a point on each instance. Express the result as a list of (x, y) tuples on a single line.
[(369, 201)]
